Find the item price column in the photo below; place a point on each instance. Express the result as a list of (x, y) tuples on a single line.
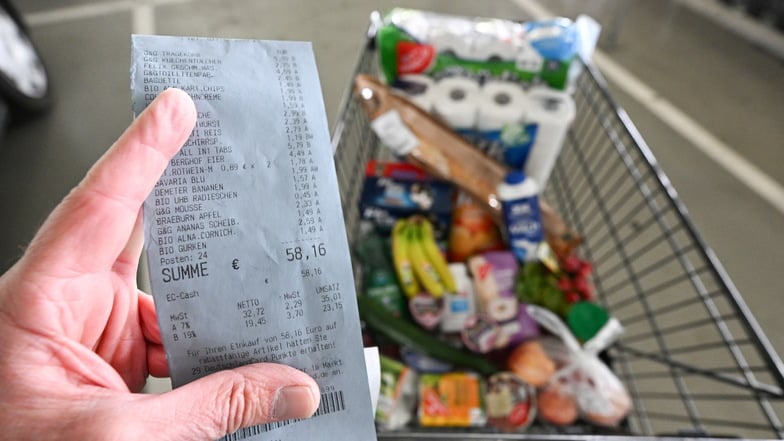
[(303, 168)]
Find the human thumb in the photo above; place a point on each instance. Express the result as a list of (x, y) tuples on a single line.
[(224, 402)]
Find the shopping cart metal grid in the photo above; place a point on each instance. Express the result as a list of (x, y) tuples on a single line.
[(693, 357)]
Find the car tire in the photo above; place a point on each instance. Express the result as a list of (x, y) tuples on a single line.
[(24, 81)]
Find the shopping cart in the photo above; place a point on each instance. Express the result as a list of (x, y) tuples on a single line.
[(693, 358)]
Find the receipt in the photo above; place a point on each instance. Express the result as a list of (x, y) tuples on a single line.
[(246, 244)]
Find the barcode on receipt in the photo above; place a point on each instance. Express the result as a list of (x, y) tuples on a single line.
[(330, 402)]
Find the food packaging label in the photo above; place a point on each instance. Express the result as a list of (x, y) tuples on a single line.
[(518, 194), (524, 227), (246, 243), (423, 363), (510, 402), (397, 394), (451, 400), (385, 200), (403, 171), (460, 305), (380, 281), (480, 334), (393, 132), (494, 279), (426, 310), (518, 328), (494, 276)]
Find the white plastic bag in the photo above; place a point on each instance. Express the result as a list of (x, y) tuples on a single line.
[(597, 392)]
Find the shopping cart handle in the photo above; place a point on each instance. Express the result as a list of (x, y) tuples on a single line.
[(376, 22), (683, 434)]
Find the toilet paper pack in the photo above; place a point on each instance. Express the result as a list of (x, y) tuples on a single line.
[(456, 102), (491, 116), (416, 88), (522, 129), (419, 42), (500, 103), (551, 114)]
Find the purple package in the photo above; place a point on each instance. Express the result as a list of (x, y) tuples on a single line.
[(503, 264), (494, 275), (521, 328)]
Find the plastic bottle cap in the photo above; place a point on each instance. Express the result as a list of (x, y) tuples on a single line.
[(515, 177), (585, 319)]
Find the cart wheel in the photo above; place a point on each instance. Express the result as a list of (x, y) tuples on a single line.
[(24, 83)]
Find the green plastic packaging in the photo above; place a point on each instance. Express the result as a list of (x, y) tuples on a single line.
[(397, 397), (379, 280), (585, 319), (438, 45)]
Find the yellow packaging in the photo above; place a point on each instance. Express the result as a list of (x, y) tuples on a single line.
[(473, 231), (451, 400)]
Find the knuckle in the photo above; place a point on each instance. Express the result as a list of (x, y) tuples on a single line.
[(241, 406)]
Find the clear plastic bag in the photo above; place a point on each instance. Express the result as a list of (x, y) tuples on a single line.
[(582, 379)]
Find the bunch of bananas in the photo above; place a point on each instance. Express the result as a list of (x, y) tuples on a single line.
[(418, 261)]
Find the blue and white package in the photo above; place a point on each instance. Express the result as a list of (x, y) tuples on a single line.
[(518, 195), (555, 39)]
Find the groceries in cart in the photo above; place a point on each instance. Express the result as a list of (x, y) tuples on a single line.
[(466, 322), (499, 83), (428, 140), (522, 127), (489, 272), (458, 323), (425, 141)]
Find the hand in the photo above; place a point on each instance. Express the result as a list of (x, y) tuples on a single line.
[(77, 338)]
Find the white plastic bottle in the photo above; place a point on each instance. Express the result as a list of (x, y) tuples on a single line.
[(519, 199), (460, 305)]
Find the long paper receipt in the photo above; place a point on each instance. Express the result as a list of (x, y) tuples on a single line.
[(246, 244)]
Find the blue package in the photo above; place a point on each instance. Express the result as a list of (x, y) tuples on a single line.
[(555, 39), (518, 195), (510, 145), (385, 200)]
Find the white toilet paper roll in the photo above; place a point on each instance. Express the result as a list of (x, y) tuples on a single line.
[(553, 112), (500, 103), (456, 102), (453, 42), (418, 89)]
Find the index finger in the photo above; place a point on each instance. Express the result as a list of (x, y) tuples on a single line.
[(90, 228)]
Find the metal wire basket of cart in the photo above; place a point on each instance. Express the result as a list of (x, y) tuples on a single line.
[(693, 358)]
